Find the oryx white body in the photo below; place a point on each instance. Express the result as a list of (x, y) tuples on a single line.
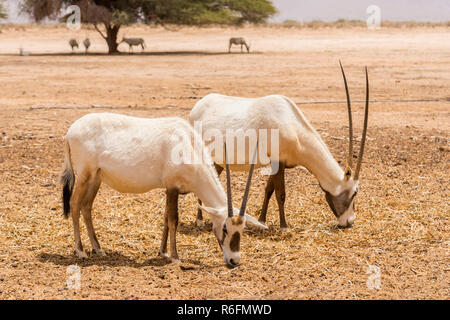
[(135, 155), (299, 142)]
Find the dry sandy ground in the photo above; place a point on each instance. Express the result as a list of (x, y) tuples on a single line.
[(403, 209)]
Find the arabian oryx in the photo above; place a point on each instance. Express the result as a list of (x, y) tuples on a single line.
[(238, 41), (73, 43), (135, 155), (299, 145), (87, 44), (134, 42)]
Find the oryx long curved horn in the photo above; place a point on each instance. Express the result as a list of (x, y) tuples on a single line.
[(350, 122), (363, 138), (247, 187), (229, 197)]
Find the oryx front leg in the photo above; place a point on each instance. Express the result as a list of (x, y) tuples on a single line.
[(268, 194), (170, 225), (80, 190), (172, 221), (280, 193), (275, 183)]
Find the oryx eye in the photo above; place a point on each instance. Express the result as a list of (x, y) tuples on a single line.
[(225, 232)]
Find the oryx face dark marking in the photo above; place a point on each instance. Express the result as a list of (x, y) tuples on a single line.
[(235, 241), (343, 206), (339, 204)]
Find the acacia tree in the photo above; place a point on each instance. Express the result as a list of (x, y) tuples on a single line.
[(3, 14), (110, 15)]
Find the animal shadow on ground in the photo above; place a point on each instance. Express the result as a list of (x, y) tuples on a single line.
[(112, 259), (193, 230), (125, 54)]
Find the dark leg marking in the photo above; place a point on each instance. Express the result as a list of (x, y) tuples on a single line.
[(172, 220), (268, 194), (235, 241), (280, 194)]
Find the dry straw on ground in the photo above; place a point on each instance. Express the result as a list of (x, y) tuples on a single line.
[(402, 225)]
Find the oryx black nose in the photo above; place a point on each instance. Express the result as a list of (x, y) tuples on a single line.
[(232, 262)]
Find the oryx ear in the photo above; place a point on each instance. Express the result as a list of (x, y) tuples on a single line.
[(212, 211), (348, 174), (252, 221)]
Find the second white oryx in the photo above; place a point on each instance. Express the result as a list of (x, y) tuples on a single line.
[(135, 155), (298, 144)]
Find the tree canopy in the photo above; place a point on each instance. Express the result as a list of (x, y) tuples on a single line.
[(3, 14), (112, 14)]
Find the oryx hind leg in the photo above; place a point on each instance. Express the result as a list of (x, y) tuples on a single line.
[(86, 209), (80, 190)]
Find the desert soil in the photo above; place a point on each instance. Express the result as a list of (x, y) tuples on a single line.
[(402, 227)]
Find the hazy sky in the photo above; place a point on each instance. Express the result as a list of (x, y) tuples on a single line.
[(331, 10)]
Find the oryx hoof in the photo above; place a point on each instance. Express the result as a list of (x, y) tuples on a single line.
[(175, 260), (99, 252), (285, 229), (81, 254)]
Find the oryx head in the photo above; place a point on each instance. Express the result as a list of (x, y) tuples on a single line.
[(229, 222), (343, 204)]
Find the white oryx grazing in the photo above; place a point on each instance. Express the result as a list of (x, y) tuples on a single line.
[(238, 41), (135, 155), (73, 43), (134, 42), (299, 145), (87, 44)]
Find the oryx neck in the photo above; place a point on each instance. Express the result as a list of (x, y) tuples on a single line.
[(316, 157)]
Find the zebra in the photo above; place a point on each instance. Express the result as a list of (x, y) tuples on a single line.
[(238, 41), (73, 43), (87, 44), (134, 42)]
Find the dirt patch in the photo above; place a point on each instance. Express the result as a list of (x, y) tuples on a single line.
[(402, 224)]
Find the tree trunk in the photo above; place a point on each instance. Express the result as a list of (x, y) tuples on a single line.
[(111, 38)]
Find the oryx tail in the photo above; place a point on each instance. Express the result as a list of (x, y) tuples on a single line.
[(67, 179)]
